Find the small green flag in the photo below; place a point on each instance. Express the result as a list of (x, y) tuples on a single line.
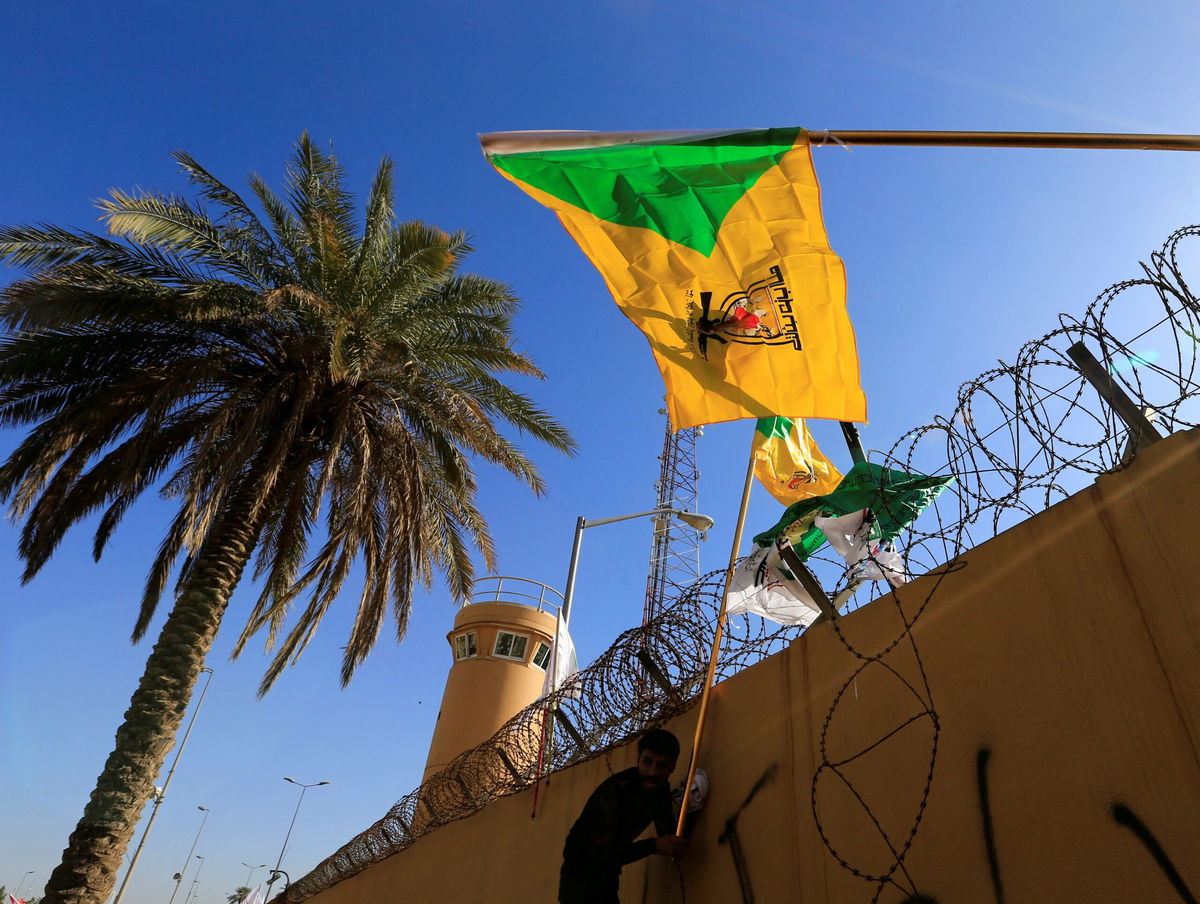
[(895, 498)]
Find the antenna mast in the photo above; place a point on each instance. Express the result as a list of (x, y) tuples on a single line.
[(675, 547)]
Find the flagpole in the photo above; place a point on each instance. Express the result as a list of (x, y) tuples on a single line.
[(1100, 140), (706, 694), (514, 142)]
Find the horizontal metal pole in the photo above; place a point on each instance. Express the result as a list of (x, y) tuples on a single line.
[(524, 142), (1108, 140)]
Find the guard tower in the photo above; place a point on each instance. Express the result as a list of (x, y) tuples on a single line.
[(501, 644)]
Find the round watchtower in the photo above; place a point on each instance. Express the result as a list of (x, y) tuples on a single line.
[(501, 643)]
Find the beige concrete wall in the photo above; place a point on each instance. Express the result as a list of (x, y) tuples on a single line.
[(1058, 669)]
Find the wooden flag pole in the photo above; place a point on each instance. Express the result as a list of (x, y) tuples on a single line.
[(706, 694)]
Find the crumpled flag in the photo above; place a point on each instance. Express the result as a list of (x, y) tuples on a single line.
[(788, 463), (763, 585), (895, 498), (867, 557)]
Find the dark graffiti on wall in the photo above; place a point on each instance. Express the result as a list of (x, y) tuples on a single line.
[(729, 835)]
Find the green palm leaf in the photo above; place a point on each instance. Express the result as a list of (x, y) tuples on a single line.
[(312, 392)]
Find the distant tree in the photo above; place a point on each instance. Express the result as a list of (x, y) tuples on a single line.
[(268, 371), (239, 895)]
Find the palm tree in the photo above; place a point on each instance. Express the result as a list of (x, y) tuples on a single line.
[(239, 894), (264, 370)]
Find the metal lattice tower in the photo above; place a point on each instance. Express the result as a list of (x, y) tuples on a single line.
[(675, 547)]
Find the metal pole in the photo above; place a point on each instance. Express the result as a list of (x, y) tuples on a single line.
[(569, 592), (161, 793), (195, 881), (1100, 140), (303, 790), (511, 142), (252, 869), (1135, 419), (853, 442), (188, 861), (24, 879), (706, 694)]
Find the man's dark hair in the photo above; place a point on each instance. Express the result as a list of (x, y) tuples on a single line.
[(659, 741)]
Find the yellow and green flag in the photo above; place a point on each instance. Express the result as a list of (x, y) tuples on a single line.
[(788, 463), (714, 246)]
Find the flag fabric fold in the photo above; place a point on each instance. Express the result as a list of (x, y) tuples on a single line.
[(788, 463), (714, 246)]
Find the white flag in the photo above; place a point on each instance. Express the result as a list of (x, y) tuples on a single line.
[(763, 585), (563, 663), (868, 559), (258, 896)]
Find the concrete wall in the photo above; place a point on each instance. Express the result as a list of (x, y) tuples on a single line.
[(1047, 698)]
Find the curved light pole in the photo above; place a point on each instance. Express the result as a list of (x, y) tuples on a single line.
[(277, 871), (186, 863), (160, 793), (691, 519), (249, 874)]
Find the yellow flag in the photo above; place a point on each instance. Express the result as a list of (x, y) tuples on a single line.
[(714, 246), (788, 463)]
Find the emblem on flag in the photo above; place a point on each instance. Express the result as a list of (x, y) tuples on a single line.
[(713, 245)]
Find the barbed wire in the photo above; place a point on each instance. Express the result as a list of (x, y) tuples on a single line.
[(1021, 437)]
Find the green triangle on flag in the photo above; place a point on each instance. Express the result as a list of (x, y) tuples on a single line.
[(681, 191)]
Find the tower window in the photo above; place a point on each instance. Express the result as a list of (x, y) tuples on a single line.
[(465, 646), (510, 646), (541, 658)]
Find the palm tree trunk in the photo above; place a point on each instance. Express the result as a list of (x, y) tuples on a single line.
[(93, 854)]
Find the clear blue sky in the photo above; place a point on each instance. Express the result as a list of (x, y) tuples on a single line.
[(954, 257)]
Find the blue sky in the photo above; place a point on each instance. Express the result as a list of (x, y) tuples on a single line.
[(954, 258)]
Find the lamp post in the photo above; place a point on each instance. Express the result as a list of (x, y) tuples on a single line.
[(192, 850), (303, 788), (275, 873), (195, 881), (691, 519), (252, 869), (160, 793), (24, 879)]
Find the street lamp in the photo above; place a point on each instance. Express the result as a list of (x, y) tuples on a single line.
[(195, 881), (160, 793), (179, 875), (252, 869), (692, 519), (24, 879), (303, 788)]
